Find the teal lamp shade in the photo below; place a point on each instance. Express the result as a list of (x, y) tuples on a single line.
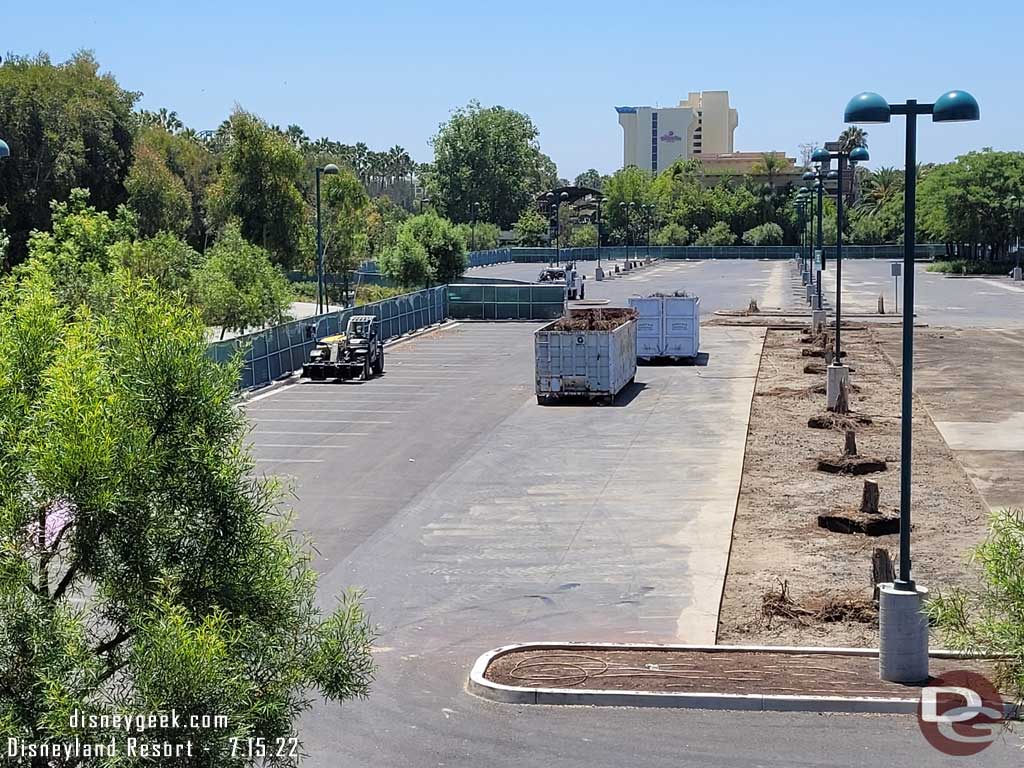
[(820, 156), (5, 151), (867, 107), (859, 155), (833, 175), (955, 107), (330, 168), (809, 176)]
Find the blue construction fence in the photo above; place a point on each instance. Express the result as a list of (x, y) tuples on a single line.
[(538, 255), (275, 352)]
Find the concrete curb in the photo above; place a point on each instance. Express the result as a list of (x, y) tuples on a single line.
[(479, 686)]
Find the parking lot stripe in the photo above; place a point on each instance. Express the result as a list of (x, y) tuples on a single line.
[(327, 410), (307, 432), (289, 461), (325, 421), (295, 445)]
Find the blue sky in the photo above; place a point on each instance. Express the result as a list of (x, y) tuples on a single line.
[(389, 72)]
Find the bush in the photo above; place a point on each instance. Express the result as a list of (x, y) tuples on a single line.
[(768, 233), (719, 234), (367, 294), (406, 261), (972, 267), (672, 234), (583, 237)]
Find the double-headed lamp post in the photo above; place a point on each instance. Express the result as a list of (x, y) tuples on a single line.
[(805, 199), (842, 158), (903, 629), (800, 206), (1016, 203), (321, 290), (819, 248)]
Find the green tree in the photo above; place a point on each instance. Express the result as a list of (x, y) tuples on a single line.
[(531, 229), (487, 156), (344, 204), (590, 178), (158, 197), (165, 259), (583, 237), (763, 234), (853, 137), (238, 287), (258, 186), (445, 247), (867, 230), (770, 165), (143, 568), (76, 254), (406, 261), (68, 126), (672, 233), (629, 185), (719, 234), (482, 236)]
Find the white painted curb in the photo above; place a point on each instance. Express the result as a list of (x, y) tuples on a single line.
[(478, 685)]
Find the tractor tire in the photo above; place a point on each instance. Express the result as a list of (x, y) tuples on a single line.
[(378, 364)]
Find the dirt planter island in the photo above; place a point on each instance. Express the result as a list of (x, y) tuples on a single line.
[(792, 582)]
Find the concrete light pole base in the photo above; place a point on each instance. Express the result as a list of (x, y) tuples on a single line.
[(1017, 274), (902, 635), (805, 278), (818, 321), (837, 376), (599, 274), (815, 301), (810, 293)]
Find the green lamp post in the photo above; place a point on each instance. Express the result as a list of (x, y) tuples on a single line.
[(321, 289), (903, 629)]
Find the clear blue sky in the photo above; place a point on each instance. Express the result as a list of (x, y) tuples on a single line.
[(389, 72)]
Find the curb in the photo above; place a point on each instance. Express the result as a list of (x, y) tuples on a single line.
[(479, 686)]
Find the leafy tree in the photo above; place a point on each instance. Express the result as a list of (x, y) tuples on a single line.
[(383, 219), (157, 196), (487, 156), (344, 203), (719, 234), (165, 259), (406, 262), (445, 247), (143, 568), (672, 233), (68, 126), (770, 165), (257, 185), (629, 185), (584, 237), (481, 236), (238, 287), (589, 178), (867, 230), (76, 254), (531, 229), (769, 233)]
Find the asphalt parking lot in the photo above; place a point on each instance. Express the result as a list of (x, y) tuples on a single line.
[(473, 518)]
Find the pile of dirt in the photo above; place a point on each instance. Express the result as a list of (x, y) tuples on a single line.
[(604, 319), (778, 603), (851, 465), (663, 295), (830, 420)]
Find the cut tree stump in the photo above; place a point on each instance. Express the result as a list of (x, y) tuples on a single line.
[(851, 465), (843, 401), (882, 571), (869, 498), (831, 420), (850, 445)]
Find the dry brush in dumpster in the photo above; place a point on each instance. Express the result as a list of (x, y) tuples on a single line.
[(587, 353)]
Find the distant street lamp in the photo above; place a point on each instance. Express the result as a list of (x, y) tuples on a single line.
[(563, 197), (854, 156), (905, 644), (600, 201), (321, 289), (1016, 204), (472, 226), (422, 201), (648, 211), (818, 268)]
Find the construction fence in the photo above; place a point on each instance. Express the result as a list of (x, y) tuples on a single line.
[(619, 252), (505, 302), (282, 349)]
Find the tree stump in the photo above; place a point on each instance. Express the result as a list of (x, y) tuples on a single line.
[(843, 400), (850, 447), (869, 498), (881, 304), (882, 571)]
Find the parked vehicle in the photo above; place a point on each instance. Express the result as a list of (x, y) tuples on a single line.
[(357, 353), (588, 353), (667, 326), (551, 275)]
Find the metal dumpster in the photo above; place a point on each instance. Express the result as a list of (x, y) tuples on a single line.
[(588, 353), (668, 326)]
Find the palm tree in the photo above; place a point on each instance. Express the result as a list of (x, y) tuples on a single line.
[(853, 137), (879, 187), (769, 165)]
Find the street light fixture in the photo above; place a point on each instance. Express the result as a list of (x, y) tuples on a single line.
[(5, 151), (472, 226), (563, 197), (907, 665), (600, 201), (422, 201), (321, 290), (648, 211), (818, 187), (1016, 204)]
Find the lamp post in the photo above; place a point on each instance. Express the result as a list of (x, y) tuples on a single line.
[(852, 157), (5, 151), (903, 630), (819, 187), (321, 289), (472, 226), (648, 210), (1015, 205), (805, 202), (563, 197), (422, 201), (599, 272)]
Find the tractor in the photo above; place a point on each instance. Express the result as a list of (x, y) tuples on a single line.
[(356, 353)]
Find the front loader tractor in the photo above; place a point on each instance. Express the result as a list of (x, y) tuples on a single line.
[(356, 353)]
